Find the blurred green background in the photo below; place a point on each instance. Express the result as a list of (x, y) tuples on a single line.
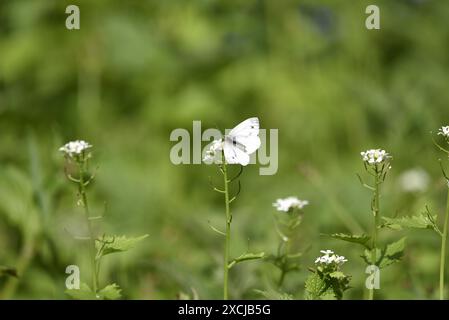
[(136, 70)]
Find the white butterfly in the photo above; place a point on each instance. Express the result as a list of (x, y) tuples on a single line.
[(242, 141)]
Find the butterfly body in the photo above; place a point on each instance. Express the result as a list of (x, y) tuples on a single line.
[(242, 141)]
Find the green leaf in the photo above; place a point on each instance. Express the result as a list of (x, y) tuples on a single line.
[(246, 257), (422, 221), (6, 271), (111, 244), (110, 292), (392, 253), (337, 275), (83, 293), (360, 239), (274, 295), (316, 288), (368, 256), (185, 296)]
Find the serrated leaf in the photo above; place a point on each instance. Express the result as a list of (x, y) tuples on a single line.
[(368, 256), (6, 271), (83, 293), (112, 244), (415, 222), (316, 288), (110, 292), (392, 253), (246, 257), (360, 239)]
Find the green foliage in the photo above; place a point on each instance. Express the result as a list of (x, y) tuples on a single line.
[(185, 296), (111, 244), (7, 271), (83, 293), (422, 221), (274, 295), (316, 288), (360, 239), (326, 286), (17, 201), (392, 253), (110, 292), (288, 262), (309, 68), (246, 257)]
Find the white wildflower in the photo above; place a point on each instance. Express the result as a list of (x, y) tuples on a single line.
[(414, 180), (289, 203), (213, 155), (444, 131), (375, 156), (329, 257), (340, 259), (74, 148)]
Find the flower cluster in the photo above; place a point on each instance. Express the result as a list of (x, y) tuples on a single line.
[(290, 203), (375, 156), (444, 131), (329, 257), (213, 154), (75, 148)]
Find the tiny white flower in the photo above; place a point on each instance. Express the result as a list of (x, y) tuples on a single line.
[(340, 259), (74, 148), (324, 259), (414, 180), (289, 203), (213, 154), (375, 156), (329, 258), (444, 131)]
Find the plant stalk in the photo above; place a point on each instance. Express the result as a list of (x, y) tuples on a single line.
[(376, 213), (443, 249), (228, 232), (82, 191)]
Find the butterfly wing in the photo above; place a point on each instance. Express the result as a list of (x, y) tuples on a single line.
[(245, 135), (248, 127), (235, 155)]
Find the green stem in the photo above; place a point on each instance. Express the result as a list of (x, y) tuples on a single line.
[(284, 253), (281, 278), (376, 214), (443, 249), (228, 233), (82, 191)]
